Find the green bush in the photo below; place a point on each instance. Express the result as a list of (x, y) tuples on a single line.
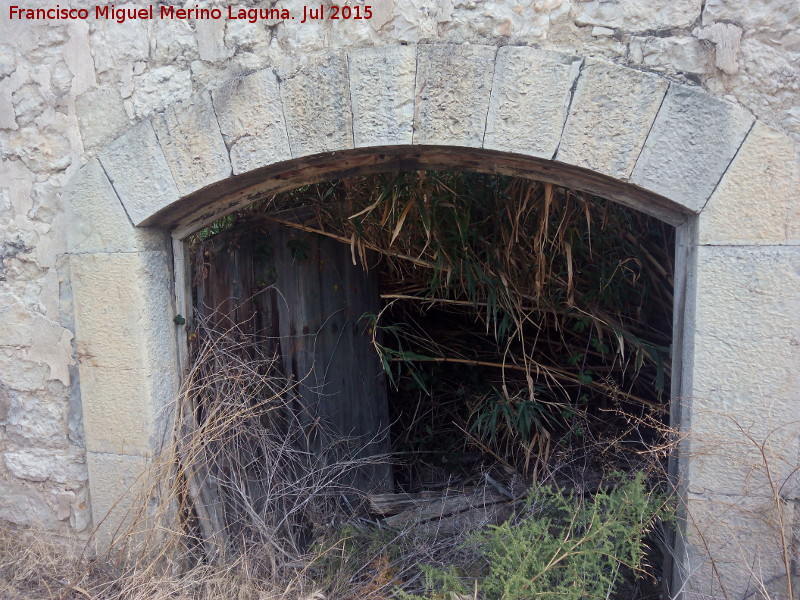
[(561, 547)]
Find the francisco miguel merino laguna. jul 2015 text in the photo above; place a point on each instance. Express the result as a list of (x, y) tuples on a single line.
[(111, 12)]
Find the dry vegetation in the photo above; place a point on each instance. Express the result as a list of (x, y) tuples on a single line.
[(531, 318)]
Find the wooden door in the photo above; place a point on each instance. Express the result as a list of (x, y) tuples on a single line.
[(304, 297)]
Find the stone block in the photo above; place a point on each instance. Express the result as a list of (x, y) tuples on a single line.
[(530, 98), (123, 310), (18, 322), (136, 166), (116, 487), (382, 95), (8, 60), (758, 199), (20, 373), (189, 135), (726, 38), (251, 121), (101, 116), (635, 15), (25, 504), (124, 409), (96, 220), (316, 105), (760, 18), (684, 54), (743, 416), (38, 464), (609, 118), (693, 140), (32, 420), (453, 88), (735, 547)]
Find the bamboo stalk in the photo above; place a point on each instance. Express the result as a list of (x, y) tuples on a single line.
[(554, 372)]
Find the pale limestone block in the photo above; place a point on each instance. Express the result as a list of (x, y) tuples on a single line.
[(123, 408), (158, 87), (7, 117), (101, 116), (123, 310), (210, 35), (609, 118), (18, 322), (758, 199), (382, 14), (116, 487), (52, 346), (63, 500), (80, 68), (24, 504), (8, 60), (635, 15), (96, 220), (691, 144), (754, 17), (189, 135), (530, 98), (453, 88), (251, 121), (598, 31), (138, 170), (32, 420), (742, 414), (316, 105), (40, 464), (726, 37), (382, 95), (735, 544), (683, 54), (20, 373), (80, 512)]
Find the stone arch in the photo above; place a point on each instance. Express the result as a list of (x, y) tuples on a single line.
[(729, 184)]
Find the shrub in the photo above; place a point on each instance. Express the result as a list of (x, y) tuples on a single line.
[(560, 547)]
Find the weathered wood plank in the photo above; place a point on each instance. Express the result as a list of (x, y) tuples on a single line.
[(426, 503), (321, 299), (302, 294), (449, 513), (224, 281), (202, 490)]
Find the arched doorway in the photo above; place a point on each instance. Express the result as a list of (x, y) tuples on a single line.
[(665, 149)]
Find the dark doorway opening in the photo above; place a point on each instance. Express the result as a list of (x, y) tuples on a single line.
[(482, 335)]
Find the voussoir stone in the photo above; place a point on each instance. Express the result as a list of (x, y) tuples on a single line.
[(251, 121), (138, 170), (745, 381), (316, 105), (453, 89), (758, 199), (530, 98), (123, 310), (189, 135), (693, 140), (96, 220), (610, 116), (382, 95)]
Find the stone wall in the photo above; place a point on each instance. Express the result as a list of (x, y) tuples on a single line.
[(69, 88)]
